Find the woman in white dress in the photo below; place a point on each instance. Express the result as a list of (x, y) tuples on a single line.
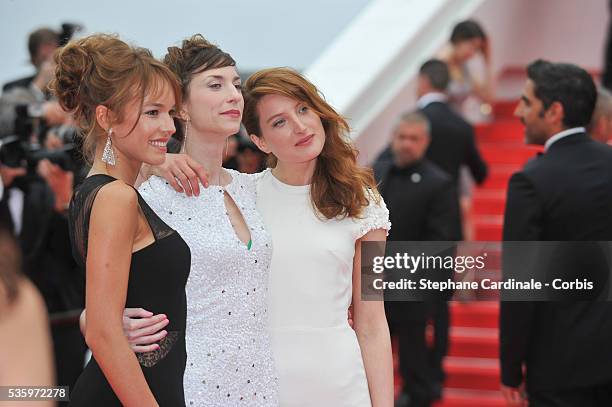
[(229, 359), (319, 206)]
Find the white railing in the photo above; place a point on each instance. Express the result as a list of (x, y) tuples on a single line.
[(366, 73)]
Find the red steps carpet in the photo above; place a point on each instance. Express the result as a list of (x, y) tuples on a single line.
[(472, 365)]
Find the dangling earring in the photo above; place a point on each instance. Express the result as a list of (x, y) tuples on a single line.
[(184, 146), (108, 155)]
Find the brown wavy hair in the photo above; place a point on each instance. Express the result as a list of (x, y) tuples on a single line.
[(103, 70), (195, 55), (339, 185)]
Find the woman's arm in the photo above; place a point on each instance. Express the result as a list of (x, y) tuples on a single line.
[(484, 88), (112, 231), (372, 331), (26, 351), (182, 172)]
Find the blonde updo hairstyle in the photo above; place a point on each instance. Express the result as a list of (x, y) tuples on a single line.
[(103, 70)]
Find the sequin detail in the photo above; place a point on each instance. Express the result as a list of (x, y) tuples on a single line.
[(374, 216), (149, 359), (229, 354)]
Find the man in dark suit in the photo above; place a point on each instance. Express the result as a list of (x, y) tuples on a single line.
[(423, 206), (452, 138), (563, 195)]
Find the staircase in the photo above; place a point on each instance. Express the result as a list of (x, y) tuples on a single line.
[(502, 145), (472, 365)]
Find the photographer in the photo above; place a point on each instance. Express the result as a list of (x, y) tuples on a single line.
[(26, 105)]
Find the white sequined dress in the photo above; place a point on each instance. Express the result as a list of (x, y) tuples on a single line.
[(229, 359)]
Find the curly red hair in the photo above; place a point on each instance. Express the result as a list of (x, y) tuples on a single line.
[(339, 185)]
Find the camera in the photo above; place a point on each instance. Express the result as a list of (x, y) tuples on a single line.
[(16, 151)]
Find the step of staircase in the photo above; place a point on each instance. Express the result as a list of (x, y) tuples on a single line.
[(501, 130), (504, 109), (506, 152), (488, 227), (472, 373), (470, 342), (498, 177), (488, 201), (476, 314), (470, 398)]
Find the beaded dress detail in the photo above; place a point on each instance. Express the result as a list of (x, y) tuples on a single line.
[(229, 358)]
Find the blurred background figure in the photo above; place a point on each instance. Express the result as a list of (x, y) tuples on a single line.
[(601, 123), (453, 145), (230, 152), (423, 206), (606, 77), (26, 357), (467, 41), (452, 138), (250, 158), (26, 106), (38, 167)]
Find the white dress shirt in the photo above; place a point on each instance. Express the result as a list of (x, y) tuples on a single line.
[(431, 97), (563, 134)]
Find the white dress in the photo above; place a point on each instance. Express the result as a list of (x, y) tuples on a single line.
[(229, 360), (316, 352)]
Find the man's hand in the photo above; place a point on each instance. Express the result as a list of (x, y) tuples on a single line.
[(8, 174), (53, 142), (60, 182), (515, 396)]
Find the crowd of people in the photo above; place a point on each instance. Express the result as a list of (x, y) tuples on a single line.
[(203, 237)]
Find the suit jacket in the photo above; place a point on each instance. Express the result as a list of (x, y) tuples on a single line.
[(563, 195), (423, 206), (423, 210), (452, 142)]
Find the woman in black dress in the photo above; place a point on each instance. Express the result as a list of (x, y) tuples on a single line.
[(124, 101)]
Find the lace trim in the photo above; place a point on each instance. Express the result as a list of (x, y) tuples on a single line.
[(149, 359)]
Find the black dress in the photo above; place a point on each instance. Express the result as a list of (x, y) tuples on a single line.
[(158, 274)]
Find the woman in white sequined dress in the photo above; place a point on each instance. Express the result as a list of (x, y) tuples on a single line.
[(229, 359)]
